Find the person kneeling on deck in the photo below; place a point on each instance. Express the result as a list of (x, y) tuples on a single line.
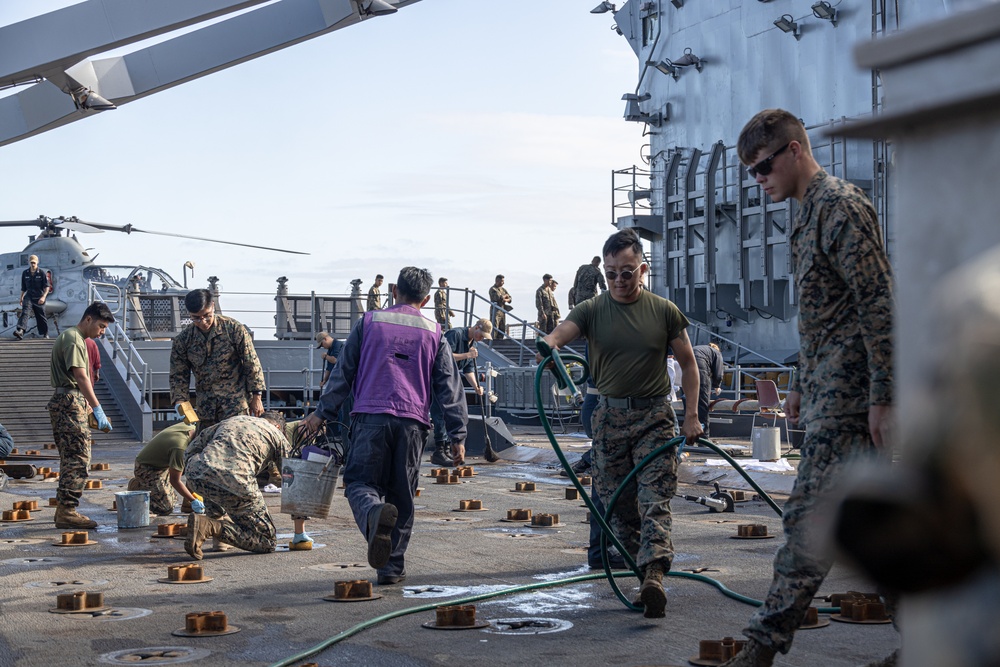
[(222, 464), (158, 467), (394, 359), (629, 331), (68, 410)]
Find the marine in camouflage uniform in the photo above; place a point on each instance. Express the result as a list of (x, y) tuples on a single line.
[(374, 295), (222, 464), (441, 312), (543, 304), (588, 277), (499, 297), (843, 283), (153, 465), (225, 366)]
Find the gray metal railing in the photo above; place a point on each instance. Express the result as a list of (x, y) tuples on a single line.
[(130, 380)]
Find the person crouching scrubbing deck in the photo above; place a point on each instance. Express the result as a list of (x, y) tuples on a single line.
[(158, 469), (629, 331), (394, 359), (222, 464), (68, 411)]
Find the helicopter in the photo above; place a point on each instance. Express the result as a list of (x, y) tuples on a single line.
[(155, 298)]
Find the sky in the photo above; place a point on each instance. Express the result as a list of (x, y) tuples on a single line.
[(468, 137)]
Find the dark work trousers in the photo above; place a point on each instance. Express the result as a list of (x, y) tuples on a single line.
[(383, 465), (586, 412), (40, 322), (704, 398)]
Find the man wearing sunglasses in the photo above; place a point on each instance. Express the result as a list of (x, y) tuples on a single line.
[(629, 331), (842, 392)]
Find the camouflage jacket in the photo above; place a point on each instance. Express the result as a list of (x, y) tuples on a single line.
[(844, 286), (588, 277), (223, 361), (441, 312), (499, 295), (543, 302), (233, 452), (374, 299)]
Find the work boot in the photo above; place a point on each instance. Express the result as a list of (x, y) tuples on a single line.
[(391, 579), (200, 528), (442, 454), (68, 517), (220, 546), (890, 660), (651, 594), (18, 334), (581, 467), (381, 521), (754, 654)]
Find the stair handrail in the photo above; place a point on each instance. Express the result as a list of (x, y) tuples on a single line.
[(136, 369), (737, 370), (467, 316)]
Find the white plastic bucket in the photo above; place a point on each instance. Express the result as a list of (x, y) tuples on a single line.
[(766, 443), (307, 487), (133, 509)]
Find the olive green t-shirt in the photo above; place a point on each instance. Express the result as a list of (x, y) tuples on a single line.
[(166, 449), (68, 352), (628, 342)]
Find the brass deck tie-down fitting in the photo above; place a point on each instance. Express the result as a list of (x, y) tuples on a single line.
[(30, 505), (99, 466), (93, 484), (75, 538), (447, 479), (715, 652), (355, 590), (545, 520), (80, 601), (524, 487), (572, 493), (519, 515), (470, 504)]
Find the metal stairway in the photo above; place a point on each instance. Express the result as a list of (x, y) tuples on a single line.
[(25, 390)]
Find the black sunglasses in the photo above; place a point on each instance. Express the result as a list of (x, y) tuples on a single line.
[(765, 166), (626, 274)]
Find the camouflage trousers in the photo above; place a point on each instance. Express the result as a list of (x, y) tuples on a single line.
[(499, 323), (212, 409), (157, 481), (622, 438), (246, 523), (799, 568), (68, 413)]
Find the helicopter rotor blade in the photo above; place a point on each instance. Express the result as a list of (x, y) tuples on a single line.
[(128, 229), (37, 222), (79, 227)]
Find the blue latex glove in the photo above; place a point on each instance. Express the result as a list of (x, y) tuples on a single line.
[(177, 409), (197, 506), (103, 422)]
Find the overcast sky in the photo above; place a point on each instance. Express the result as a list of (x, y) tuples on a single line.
[(469, 137)]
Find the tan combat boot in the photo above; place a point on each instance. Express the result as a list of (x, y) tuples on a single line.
[(68, 517), (754, 654), (200, 528), (651, 594)]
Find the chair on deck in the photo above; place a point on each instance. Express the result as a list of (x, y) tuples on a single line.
[(769, 405)]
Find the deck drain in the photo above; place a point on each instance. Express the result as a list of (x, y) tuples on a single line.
[(41, 560), (516, 536), (115, 614), (527, 626), (338, 567), (155, 655), (450, 519), (12, 542), (70, 582)]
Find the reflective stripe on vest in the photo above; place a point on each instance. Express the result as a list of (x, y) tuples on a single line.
[(404, 319)]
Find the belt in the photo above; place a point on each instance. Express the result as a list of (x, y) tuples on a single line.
[(67, 390), (631, 402)]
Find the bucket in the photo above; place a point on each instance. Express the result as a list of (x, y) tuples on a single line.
[(307, 487), (133, 509), (766, 442)]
